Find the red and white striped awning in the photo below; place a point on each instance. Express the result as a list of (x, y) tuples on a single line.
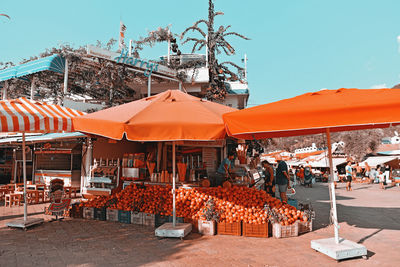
[(23, 115)]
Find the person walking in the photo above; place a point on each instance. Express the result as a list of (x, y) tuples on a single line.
[(308, 175), (282, 178), (381, 176), (269, 178), (349, 176)]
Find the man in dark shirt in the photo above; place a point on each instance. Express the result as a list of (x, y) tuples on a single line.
[(282, 178)]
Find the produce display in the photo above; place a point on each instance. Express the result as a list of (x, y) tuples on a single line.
[(234, 204)]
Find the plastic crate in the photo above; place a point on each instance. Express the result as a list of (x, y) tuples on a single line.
[(124, 216), (76, 211), (137, 218), (178, 219), (305, 227), (88, 212), (224, 228), (255, 230), (112, 215), (283, 231), (148, 219), (195, 224), (292, 202), (99, 214), (160, 220)]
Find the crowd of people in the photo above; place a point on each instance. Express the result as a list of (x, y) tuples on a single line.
[(272, 177)]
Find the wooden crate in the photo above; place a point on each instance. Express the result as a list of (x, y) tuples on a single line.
[(305, 227), (224, 228), (255, 230), (88, 213), (137, 218), (112, 215), (148, 219), (282, 231), (206, 227)]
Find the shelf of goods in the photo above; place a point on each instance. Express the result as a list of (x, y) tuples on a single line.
[(104, 177)]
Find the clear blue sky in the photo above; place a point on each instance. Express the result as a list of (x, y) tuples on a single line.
[(296, 46)]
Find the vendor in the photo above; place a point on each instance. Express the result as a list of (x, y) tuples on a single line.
[(224, 169), (269, 178)]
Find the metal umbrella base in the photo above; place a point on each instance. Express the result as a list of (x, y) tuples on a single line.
[(168, 230), (21, 223), (344, 250)]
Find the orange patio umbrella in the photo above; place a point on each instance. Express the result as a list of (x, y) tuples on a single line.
[(168, 116), (324, 111), (312, 113)]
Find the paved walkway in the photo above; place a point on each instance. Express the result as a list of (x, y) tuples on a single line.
[(367, 215)]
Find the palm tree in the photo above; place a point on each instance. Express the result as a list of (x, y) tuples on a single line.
[(216, 42)]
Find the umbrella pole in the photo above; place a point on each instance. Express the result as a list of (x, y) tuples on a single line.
[(173, 184), (332, 188), (24, 174)]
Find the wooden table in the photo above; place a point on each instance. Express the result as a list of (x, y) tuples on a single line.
[(36, 186)]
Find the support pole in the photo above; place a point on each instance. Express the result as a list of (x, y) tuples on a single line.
[(206, 51), (169, 49), (159, 153), (24, 174), (130, 47), (332, 188), (66, 77), (149, 86), (5, 90), (245, 67), (173, 184), (32, 88), (180, 86)]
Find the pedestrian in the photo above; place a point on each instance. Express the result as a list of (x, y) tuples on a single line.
[(269, 178), (301, 174), (349, 176), (367, 170), (335, 178), (282, 178), (359, 171), (387, 173), (307, 175), (381, 176)]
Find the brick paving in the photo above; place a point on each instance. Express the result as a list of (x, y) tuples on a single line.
[(367, 215)]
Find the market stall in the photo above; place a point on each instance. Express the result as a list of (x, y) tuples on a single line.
[(171, 116)]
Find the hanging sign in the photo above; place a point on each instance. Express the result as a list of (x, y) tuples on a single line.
[(145, 65)]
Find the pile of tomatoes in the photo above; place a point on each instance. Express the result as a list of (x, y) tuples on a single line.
[(234, 204)]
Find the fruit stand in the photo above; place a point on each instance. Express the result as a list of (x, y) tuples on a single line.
[(242, 210)]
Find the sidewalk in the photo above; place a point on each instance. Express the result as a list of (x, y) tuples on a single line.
[(367, 215)]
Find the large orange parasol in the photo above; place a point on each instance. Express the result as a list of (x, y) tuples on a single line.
[(312, 113), (324, 111), (171, 115), (168, 116)]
